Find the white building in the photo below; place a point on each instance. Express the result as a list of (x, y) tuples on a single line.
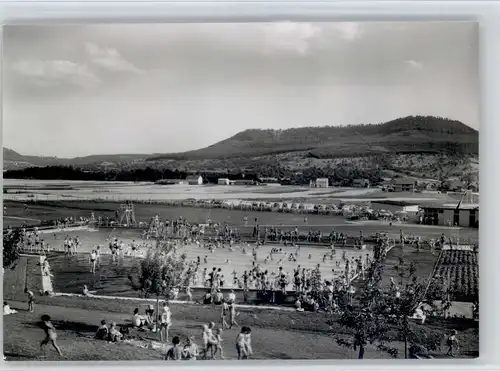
[(194, 180), (322, 183), (223, 181)]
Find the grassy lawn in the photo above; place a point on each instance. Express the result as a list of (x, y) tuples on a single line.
[(276, 334), (424, 261)]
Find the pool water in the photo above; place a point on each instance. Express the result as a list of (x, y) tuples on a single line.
[(223, 258)]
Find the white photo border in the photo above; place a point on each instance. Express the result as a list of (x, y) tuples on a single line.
[(487, 13)]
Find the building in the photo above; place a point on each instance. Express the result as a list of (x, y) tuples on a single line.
[(319, 183), (361, 183), (243, 182), (269, 180), (170, 181), (455, 186), (223, 181), (194, 180), (404, 185), (450, 215)]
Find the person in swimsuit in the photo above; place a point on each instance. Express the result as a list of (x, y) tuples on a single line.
[(93, 261), (190, 351), (102, 332), (165, 322), (31, 299), (175, 353), (218, 347), (133, 245), (452, 343), (209, 341), (98, 255), (232, 314), (224, 312), (50, 334), (240, 343), (112, 247)]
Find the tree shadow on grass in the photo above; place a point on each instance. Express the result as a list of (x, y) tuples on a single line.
[(79, 328), (12, 356)]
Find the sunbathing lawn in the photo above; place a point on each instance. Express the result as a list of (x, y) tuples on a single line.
[(276, 334)]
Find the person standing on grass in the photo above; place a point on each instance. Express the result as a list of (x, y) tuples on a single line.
[(188, 292), (93, 261), (248, 342), (209, 342), (165, 322), (452, 343), (31, 299), (50, 334), (232, 315), (218, 347), (243, 343), (224, 312), (98, 255)]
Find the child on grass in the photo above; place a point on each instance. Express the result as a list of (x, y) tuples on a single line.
[(165, 322), (218, 347), (241, 343), (31, 299), (50, 334)]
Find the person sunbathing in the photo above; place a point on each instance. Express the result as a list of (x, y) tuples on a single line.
[(114, 334), (7, 310), (138, 320), (102, 332)]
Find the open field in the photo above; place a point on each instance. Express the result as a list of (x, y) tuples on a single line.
[(114, 191), (460, 271)]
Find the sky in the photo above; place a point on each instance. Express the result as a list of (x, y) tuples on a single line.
[(160, 88)]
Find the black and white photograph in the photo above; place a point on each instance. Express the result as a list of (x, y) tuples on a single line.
[(241, 191)]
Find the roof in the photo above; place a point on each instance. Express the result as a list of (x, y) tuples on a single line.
[(360, 180), (455, 183), (169, 181), (403, 181), (451, 206), (321, 179), (193, 177)]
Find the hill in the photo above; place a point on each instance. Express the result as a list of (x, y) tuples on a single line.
[(413, 134), (419, 146), (13, 160)]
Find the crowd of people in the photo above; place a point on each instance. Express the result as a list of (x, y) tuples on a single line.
[(310, 288), (211, 335)]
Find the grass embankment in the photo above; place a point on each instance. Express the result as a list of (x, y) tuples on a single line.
[(276, 334)]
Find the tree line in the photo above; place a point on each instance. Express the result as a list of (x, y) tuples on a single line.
[(342, 175)]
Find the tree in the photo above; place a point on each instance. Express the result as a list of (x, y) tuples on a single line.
[(364, 317), (162, 270), (11, 241), (402, 307)]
